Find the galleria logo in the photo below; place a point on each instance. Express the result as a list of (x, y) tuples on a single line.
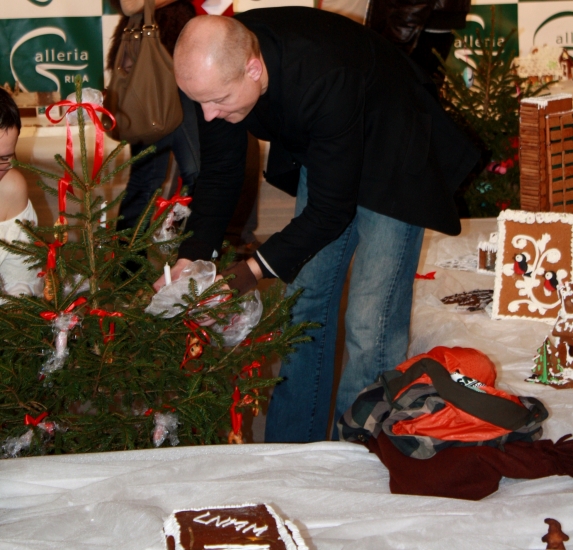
[(50, 59), (468, 44), (562, 38)]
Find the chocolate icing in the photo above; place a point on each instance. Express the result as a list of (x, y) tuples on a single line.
[(234, 525)]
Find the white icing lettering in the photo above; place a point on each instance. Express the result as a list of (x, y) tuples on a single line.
[(239, 525)]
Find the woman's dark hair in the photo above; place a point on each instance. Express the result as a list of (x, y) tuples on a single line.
[(170, 19), (9, 115)]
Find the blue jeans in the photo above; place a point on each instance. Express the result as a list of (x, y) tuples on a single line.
[(386, 253), (148, 174)]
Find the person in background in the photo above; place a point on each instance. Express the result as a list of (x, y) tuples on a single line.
[(420, 26), (15, 205), (358, 134), (148, 174)]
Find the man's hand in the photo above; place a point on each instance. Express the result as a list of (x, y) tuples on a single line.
[(176, 270)]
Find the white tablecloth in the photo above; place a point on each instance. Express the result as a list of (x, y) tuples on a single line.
[(337, 493)]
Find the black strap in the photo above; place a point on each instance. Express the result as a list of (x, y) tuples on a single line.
[(490, 408)]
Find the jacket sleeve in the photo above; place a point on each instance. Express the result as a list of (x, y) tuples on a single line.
[(218, 187), (400, 21), (332, 112)]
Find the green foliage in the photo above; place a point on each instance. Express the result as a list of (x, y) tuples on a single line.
[(121, 364), (489, 112)]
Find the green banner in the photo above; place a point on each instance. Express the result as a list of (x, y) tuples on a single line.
[(477, 34), (44, 55)]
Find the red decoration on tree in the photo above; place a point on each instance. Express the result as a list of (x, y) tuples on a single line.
[(504, 204), (264, 338), (101, 313), (51, 315), (31, 421), (236, 435), (162, 204), (196, 339)]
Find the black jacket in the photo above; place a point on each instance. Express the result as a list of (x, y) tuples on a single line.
[(363, 120)]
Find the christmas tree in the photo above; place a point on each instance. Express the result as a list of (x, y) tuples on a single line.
[(484, 99), (84, 367)]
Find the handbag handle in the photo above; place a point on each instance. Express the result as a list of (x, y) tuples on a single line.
[(149, 14)]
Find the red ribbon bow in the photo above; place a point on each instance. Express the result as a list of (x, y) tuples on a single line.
[(102, 313), (51, 315), (429, 276), (31, 421), (64, 185), (162, 204)]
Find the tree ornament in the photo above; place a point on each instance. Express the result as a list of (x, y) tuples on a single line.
[(165, 428), (175, 218), (61, 236)]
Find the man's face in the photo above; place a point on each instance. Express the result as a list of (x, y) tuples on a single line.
[(8, 139), (231, 101)]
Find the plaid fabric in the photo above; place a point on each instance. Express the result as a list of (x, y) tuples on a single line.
[(373, 412)]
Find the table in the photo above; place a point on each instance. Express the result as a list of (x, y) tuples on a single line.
[(336, 492)]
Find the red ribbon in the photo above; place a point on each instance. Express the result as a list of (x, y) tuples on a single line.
[(236, 417), (101, 313), (429, 276), (31, 421), (51, 315), (92, 109), (162, 204), (51, 262), (269, 337), (197, 330), (218, 298), (255, 365)]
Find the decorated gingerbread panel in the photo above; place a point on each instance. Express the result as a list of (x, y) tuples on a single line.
[(534, 257)]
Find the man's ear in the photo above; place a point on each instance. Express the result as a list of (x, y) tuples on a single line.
[(254, 68)]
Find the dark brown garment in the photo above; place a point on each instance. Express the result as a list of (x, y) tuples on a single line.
[(472, 473), (170, 19)]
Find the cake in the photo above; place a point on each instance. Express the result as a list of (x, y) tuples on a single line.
[(487, 252), (554, 362), (534, 257), (247, 527)]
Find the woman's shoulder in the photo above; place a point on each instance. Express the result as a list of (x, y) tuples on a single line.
[(13, 194)]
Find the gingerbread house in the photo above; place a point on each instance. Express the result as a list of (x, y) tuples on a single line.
[(546, 153)]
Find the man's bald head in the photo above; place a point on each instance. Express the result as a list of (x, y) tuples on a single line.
[(218, 64), (213, 43)]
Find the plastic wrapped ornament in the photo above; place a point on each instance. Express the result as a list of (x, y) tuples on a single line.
[(56, 358), (170, 226), (165, 428)]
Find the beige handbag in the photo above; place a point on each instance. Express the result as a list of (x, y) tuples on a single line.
[(142, 94)]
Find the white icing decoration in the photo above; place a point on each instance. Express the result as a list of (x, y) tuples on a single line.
[(171, 527), (543, 101)]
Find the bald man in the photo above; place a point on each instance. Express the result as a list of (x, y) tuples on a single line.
[(358, 135)]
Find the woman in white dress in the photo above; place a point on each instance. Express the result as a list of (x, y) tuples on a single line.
[(14, 204)]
